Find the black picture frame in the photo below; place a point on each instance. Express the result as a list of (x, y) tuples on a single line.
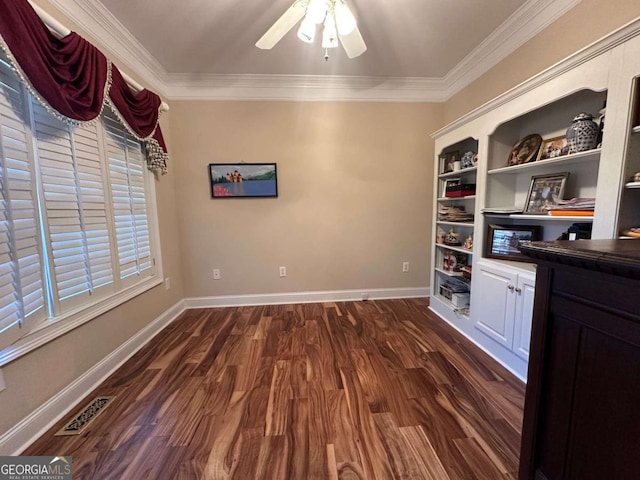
[(503, 241), (243, 180), (544, 192)]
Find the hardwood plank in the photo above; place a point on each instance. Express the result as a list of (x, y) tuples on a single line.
[(279, 395), (226, 449), (372, 452), (417, 442), (480, 464)]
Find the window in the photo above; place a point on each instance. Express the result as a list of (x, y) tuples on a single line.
[(75, 213)]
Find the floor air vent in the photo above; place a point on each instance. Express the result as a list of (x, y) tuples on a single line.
[(86, 416)]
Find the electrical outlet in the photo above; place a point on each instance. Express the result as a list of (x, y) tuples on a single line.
[(167, 283), (283, 271), (216, 274), (405, 266)]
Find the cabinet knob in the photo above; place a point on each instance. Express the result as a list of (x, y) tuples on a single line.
[(518, 290), (511, 287)]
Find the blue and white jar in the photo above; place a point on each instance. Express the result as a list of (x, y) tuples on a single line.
[(582, 135)]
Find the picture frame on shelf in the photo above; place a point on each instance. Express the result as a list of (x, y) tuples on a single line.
[(447, 160), (243, 180), (553, 148), (526, 150), (544, 192), (504, 241), (448, 183)]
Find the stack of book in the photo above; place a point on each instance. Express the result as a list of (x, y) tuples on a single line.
[(576, 207), (454, 213)]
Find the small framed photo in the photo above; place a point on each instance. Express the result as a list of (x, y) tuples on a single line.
[(448, 183), (243, 180), (544, 193), (447, 159), (504, 241), (554, 147), (526, 150)]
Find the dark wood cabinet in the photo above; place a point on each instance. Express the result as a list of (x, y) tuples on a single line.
[(582, 409)]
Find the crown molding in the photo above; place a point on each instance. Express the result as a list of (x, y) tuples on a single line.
[(524, 24), (531, 18), (597, 48), (304, 88)]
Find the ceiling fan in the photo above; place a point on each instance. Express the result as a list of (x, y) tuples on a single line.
[(339, 23)]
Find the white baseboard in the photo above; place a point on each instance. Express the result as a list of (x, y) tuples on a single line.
[(305, 297), (29, 429)]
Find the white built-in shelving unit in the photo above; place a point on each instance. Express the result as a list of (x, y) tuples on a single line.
[(607, 74)]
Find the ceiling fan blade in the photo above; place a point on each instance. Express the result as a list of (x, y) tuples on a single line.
[(285, 23), (353, 43)]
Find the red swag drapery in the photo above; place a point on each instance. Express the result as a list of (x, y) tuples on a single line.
[(74, 80)]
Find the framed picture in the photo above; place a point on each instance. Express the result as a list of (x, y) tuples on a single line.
[(554, 147), (526, 150), (448, 183), (544, 193), (243, 180), (447, 159), (504, 241)]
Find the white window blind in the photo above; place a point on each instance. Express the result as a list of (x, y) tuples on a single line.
[(21, 273), (74, 213), (126, 173)]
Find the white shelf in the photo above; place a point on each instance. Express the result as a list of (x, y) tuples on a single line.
[(632, 185), (463, 171), (456, 249), (448, 274), (636, 129), (446, 199), (455, 224), (589, 155)]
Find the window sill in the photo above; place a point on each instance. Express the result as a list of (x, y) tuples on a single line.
[(51, 329)]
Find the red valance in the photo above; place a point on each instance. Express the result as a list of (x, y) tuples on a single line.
[(74, 80)]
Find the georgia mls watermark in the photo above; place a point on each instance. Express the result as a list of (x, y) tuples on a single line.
[(35, 468)]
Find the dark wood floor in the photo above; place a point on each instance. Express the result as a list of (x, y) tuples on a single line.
[(362, 390)]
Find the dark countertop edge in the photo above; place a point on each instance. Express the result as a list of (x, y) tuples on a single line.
[(589, 254)]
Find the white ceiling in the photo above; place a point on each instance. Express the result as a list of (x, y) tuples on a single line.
[(417, 49)]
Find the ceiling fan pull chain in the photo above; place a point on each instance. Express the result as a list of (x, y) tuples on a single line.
[(326, 54)]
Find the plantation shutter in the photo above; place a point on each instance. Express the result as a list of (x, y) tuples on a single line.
[(21, 276), (74, 203), (126, 176), (91, 183)]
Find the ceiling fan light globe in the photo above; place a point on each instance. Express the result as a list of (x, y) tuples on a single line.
[(316, 11), (307, 31), (345, 20)]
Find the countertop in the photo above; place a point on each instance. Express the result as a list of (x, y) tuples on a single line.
[(618, 257)]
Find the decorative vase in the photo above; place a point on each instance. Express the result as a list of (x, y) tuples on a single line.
[(582, 135)]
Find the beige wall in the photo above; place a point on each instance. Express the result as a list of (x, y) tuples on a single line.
[(587, 22), (354, 200), (34, 378)]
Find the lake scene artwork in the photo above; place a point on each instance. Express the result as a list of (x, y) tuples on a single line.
[(238, 180)]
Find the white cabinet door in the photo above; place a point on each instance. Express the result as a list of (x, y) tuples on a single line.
[(525, 289), (495, 302)]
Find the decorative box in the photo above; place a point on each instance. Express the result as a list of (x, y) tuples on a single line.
[(460, 300), (463, 190)]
